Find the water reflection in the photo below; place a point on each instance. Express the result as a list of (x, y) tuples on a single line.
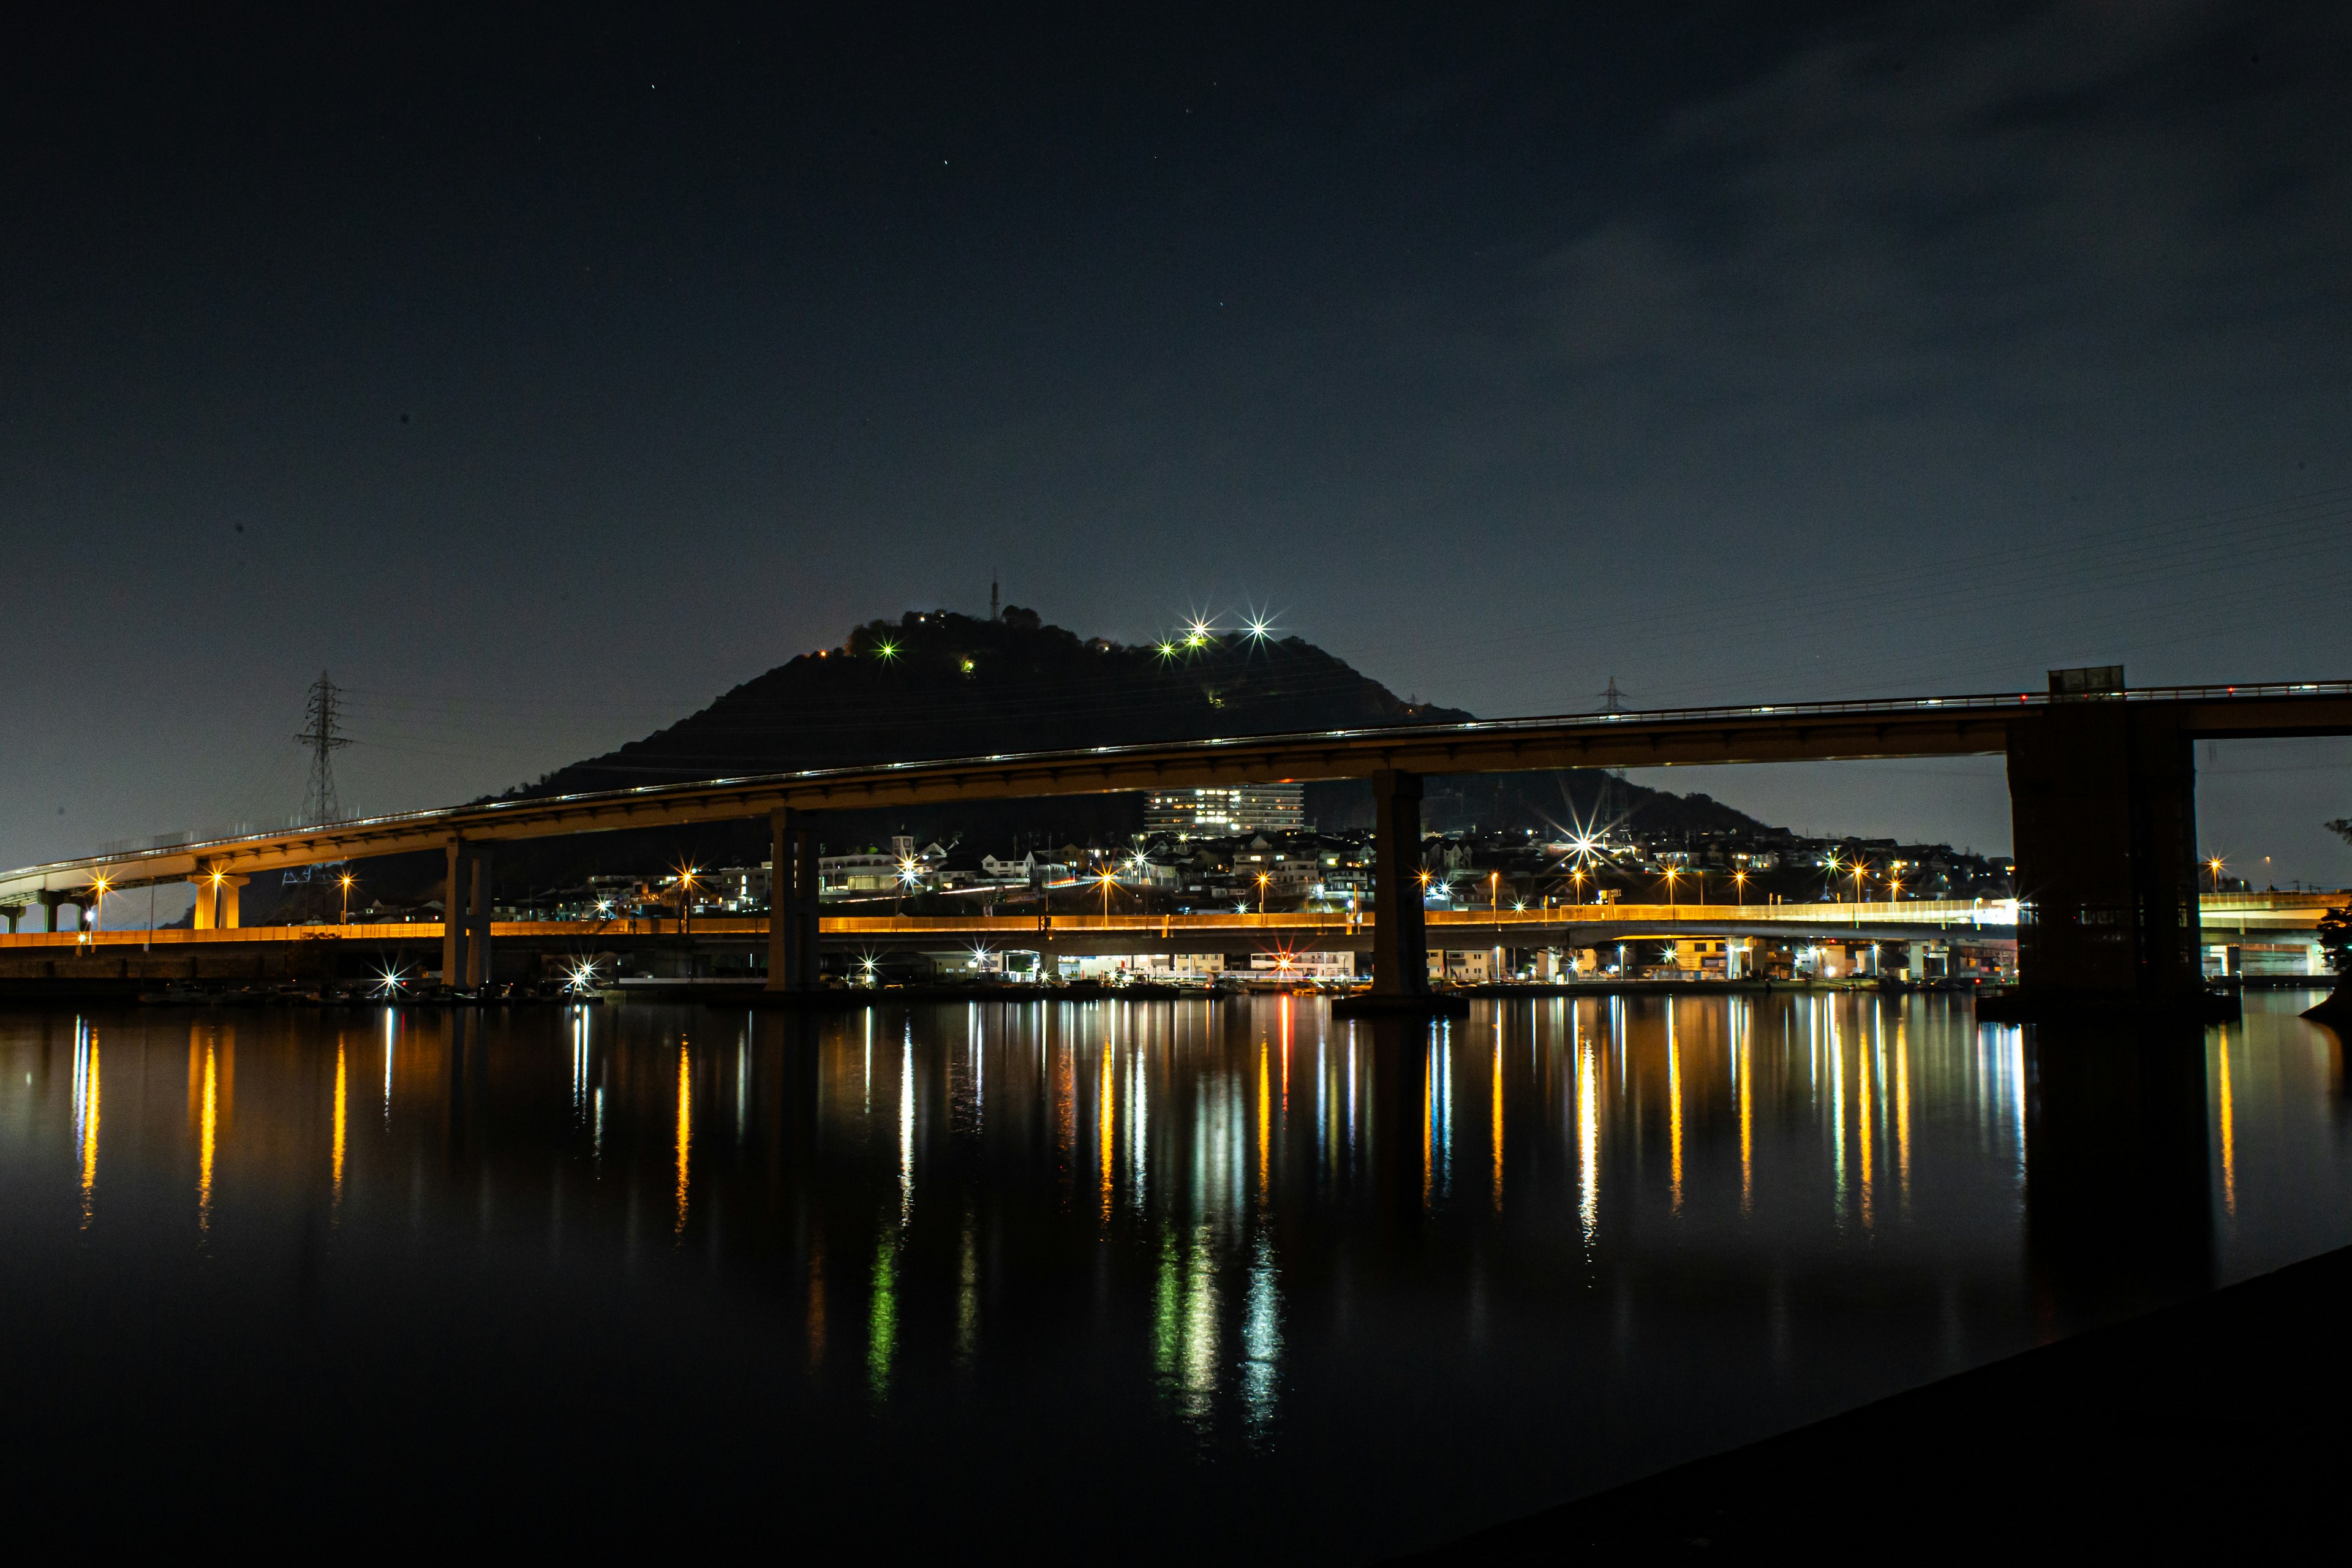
[(86, 1090), (1236, 1228)]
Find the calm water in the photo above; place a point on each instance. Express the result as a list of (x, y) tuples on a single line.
[(1082, 1277)]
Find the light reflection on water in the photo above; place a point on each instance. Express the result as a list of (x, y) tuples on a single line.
[(1271, 1251)]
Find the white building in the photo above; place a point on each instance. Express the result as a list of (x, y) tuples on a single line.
[(1225, 812)]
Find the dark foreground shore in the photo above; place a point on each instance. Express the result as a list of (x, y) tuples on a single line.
[(2219, 1424)]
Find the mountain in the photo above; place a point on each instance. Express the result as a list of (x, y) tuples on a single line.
[(935, 683), (938, 684)]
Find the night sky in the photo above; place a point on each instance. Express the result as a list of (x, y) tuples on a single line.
[(543, 378)]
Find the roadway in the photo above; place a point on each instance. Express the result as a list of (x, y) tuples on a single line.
[(1773, 733), (2258, 915)]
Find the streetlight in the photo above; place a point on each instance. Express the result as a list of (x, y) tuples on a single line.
[(1577, 877), (1495, 892), (2214, 866), (1261, 892), (345, 880), (1107, 878), (1671, 872), (1740, 881)]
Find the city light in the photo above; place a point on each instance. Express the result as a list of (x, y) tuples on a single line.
[(2214, 866), (1166, 650), (581, 979), (1740, 880), (1197, 633), (389, 980), (1259, 629), (909, 872)]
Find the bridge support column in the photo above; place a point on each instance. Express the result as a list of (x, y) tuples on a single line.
[(477, 960), (50, 904), (216, 900), (793, 957), (454, 927), (13, 913), (1400, 935), (2103, 804)]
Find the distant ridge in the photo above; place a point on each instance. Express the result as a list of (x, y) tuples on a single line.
[(938, 684), (935, 683)]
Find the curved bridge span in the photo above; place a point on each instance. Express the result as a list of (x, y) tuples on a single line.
[(2102, 782)]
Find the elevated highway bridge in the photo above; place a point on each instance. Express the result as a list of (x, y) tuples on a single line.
[(2102, 784)]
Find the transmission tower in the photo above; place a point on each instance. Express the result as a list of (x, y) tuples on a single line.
[(1613, 806), (325, 737)]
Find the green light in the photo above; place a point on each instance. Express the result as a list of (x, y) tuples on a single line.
[(888, 650)]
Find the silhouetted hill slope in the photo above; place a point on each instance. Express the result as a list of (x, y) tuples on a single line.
[(938, 684)]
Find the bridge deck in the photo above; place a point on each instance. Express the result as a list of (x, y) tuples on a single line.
[(2281, 913), (1779, 732)]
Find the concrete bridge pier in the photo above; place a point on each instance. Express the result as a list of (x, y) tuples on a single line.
[(51, 904), (479, 961), (2103, 801), (793, 956), (13, 913), (456, 929), (216, 900), (1400, 945)]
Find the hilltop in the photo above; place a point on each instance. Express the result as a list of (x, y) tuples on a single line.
[(935, 683)]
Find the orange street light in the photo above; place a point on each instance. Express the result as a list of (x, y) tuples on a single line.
[(98, 886), (2214, 866), (1671, 872), (1740, 880), (346, 880), (1261, 892)]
